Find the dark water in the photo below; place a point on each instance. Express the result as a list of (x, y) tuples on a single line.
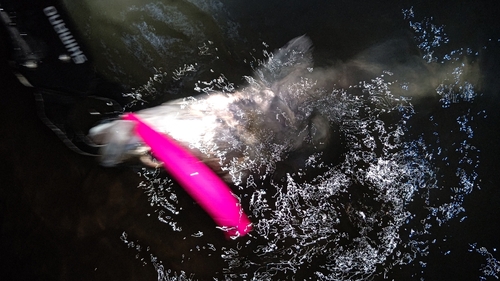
[(411, 194)]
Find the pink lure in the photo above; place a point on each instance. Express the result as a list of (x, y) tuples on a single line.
[(207, 189)]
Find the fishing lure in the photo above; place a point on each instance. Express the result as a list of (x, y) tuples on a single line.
[(206, 188)]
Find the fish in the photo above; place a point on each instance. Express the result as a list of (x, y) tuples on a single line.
[(265, 120), (286, 112)]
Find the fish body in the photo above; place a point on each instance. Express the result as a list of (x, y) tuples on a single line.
[(268, 116)]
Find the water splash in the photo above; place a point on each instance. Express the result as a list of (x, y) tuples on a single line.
[(161, 196), (492, 266), (428, 35), (373, 210)]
